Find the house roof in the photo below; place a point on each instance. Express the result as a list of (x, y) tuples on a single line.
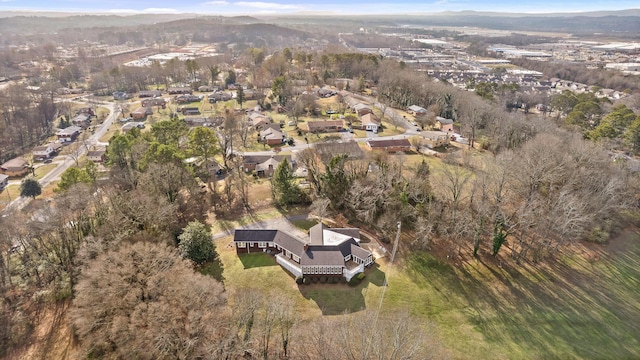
[(3, 177), (317, 125), (265, 165), (360, 106), (81, 117), (41, 148), (359, 252), (96, 153), (140, 110), (254, 235), (258, 159), (15, 163), (69, 131), (444, 121), (416, 108), (370, 119), (322, 255), (388, 143), (271, 133)]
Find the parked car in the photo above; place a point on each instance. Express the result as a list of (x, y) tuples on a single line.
[(47, 161)]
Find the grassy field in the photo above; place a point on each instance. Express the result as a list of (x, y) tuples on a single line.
[(568, 309)]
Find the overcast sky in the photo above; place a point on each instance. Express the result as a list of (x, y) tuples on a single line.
[(292, 6)]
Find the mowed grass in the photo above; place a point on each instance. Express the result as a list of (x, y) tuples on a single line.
[(260, 271), (43, 170), (545, 312), (567, 309)]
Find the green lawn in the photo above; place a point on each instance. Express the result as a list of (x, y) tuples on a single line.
[(44, 170), (569, 309)]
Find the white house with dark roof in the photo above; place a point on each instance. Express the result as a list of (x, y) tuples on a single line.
[(327, 252)]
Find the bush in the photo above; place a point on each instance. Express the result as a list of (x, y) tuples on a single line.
[(305, 280), (323, 279), (314, 279), (356, 279), (335, 279), (299, 280)]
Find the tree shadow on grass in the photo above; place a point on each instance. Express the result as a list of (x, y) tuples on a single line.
[(339, 299), (214, 268), (547, 311), (256, 260)]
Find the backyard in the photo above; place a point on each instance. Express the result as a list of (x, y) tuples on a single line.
[(572, 307)]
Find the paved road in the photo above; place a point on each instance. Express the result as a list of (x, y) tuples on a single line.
[(18, 203)]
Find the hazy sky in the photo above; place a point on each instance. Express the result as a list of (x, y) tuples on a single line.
[(289, 6)]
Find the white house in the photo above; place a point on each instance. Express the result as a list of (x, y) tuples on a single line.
[(4, 181), (45, 151), (68, 134), (370, 122)]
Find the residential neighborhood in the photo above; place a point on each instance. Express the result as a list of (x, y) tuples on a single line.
[(249, 180)]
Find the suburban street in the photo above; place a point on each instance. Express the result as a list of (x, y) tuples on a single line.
[(19, 202)]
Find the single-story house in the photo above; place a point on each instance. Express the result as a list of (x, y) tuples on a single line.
[(443, 124), (68, 134), (157, 101), (417, 110), (46, 151), (198, 163), (361, 109), (186, 98), (15, 167), (149, 94), (259, 121), (327, 252), (271, 136), (265, 165), (325, 126), (97, 156), (434, 139), (219, 96), (4, 181), (141, 113), (179, 90), (190, 110), (121, 95), (325, 92), (370, 122), (81, 120), (206, 88), (393, 145)]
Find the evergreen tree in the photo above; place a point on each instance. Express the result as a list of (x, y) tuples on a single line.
[(196, 244), (285, 190), (240, 96), (30, 187)]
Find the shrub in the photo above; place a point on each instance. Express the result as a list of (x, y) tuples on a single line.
[(335, 279), (356, 279), (305, 280), (314, 279), (299, 280), (323, 279)]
